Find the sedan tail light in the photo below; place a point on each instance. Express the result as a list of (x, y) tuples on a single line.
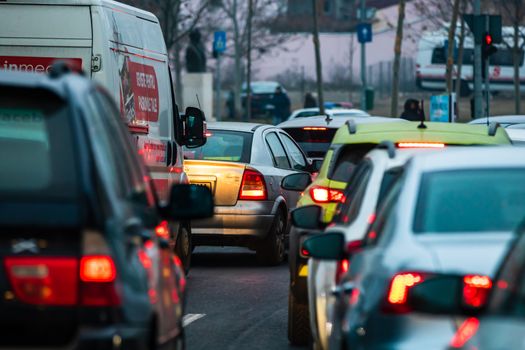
[(342, 269), (401, 283), (326, 195), (253, 186), (476, 290)]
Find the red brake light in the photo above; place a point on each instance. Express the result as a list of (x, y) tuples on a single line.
[(488, 39), (163, 230), (97, 269), (476, 290), (420, 145), (311, 128), (342, 269), (465, 332), (400, 285), (253, 186), (326, 195), (44, 281)]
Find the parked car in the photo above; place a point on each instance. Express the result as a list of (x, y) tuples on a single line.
[(499, 321), (348, 147), (370, 182), (453, 212), (243, 164), (516, 134), (332, 112), (81, 263), (504, 120), (123, 49), (262, 96)]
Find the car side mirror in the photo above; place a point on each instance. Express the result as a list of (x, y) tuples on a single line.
[(444, 294), (296, 182), (194, 123), (328, 246), (315, 165), (188, 202), (308, 217)]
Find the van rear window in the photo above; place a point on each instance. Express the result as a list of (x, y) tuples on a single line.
[(37, 146), (314, 141), (346, 159)]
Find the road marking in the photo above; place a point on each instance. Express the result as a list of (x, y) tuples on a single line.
[(190, 318)]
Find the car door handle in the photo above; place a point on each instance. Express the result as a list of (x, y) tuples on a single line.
[(345, 288)]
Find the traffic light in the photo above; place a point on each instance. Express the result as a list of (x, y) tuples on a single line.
[(488, 49)]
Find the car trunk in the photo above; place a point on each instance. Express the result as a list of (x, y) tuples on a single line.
[(32, 37), (36, 249), (222, 178)]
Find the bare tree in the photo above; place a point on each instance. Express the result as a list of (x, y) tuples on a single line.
[(232, 17), (513, 12), (177, 18), (397, 57), (451, 44)]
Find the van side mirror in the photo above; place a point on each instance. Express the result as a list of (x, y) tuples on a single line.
[(296, 182), (188, 202), (328, 246), (194, 126), (308, 217)]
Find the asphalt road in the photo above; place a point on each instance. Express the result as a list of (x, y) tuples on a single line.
[(234, 303)]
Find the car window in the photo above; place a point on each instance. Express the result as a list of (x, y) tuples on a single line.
[(37, 155), (277, 150), (346, 158), (480, 200), (385, 220), (223, 145), (354, 193), (307, 114), (390, 177), (296, 155), (136, 171)]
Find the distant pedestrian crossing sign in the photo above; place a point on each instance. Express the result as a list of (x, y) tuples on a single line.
[(219, 41), (364, 33)]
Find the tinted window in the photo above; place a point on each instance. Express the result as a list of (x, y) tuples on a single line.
[(37, 152), (389, 179), (385, 221), (471, 201), (346, 159), (314, 141), (354, 194), (277, 150), (223, 145), (504, 57), (296, 155)]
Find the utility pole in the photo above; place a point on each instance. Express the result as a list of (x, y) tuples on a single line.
[(249, 63), (478, 95), (363, 60), (318, 64), (218, 111)]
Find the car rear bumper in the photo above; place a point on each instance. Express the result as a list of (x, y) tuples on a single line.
[(246, 218), (110, 337)]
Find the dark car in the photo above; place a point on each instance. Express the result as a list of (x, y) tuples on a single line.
[(262, 96), (82, 266)]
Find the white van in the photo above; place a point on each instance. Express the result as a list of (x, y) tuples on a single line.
[(123, 49), (432, 58)]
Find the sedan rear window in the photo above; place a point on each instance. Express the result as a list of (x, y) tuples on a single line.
[(223, 145), (314, 141), (471, 201), (37, 158)]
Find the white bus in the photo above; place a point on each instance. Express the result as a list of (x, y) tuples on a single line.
[(432, 58)]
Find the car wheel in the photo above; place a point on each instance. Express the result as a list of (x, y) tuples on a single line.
[(298, 322), (183, 247), (271, 249)]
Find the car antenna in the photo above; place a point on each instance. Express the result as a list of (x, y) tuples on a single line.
[(198, 101), (422, 115), (328, 119)]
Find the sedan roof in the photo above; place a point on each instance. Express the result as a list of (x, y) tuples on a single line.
[(502, 119), (320, 121), (236, 126)]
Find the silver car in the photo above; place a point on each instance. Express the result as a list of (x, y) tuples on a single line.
[(243, 164)]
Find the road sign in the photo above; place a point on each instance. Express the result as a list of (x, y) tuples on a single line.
[(364, 33), (442, 108), (219, 41)]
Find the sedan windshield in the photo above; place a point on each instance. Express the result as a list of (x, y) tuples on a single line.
[(486, 200), (223, 145)]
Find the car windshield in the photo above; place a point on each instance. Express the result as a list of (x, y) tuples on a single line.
[(262, 88), (223, 145), (485, 200), (37, 154)]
